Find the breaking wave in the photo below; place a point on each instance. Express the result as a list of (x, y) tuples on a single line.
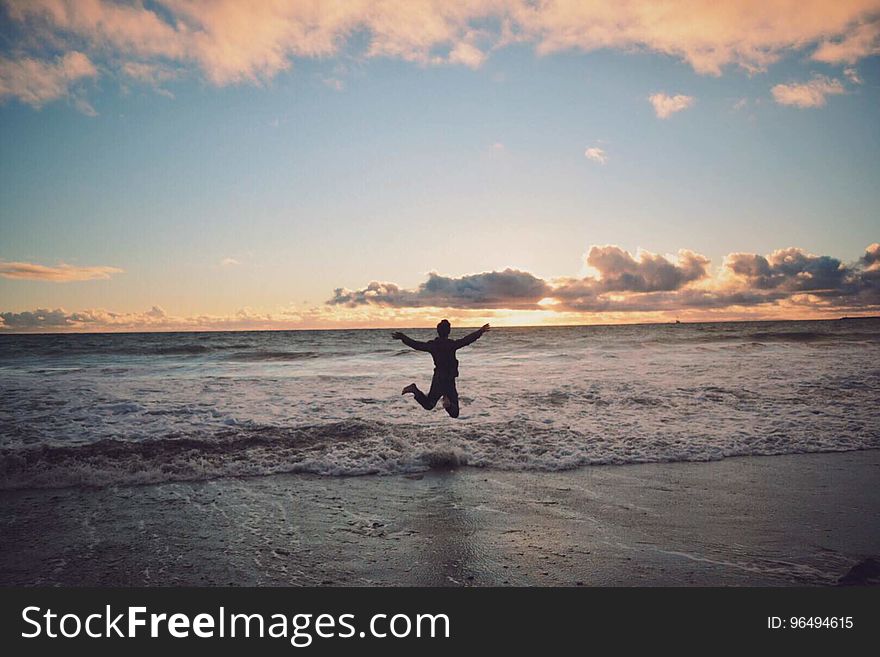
[(358, 447)]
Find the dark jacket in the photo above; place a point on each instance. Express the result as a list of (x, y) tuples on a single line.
[(443, 350)]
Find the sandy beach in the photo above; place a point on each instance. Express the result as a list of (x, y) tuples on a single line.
[(783, 520)]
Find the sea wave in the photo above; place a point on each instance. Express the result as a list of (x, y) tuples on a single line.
[(358, 447), (223, 352), (257, 355), (791, 336)]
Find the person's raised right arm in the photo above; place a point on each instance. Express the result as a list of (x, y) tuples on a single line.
[(409, 342)]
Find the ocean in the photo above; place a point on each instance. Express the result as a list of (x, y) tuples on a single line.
[(107, 409)]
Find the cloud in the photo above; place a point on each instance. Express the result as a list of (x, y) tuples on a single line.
[(41, 318), (807, 94), (587, 301), (786, 283), (229, 262), (131, 29), (751, 34), (859, 42), (852, 75), (467, 54), (157, 319), (596, 154), (211, 35), (623, 280), (789, 269), (647, 272), (871, 259), (648, 282), (152, 75), (148, 73), (46, 319), (59, 274), (665, 105), (230, 42), (511, 289), (37, 82)]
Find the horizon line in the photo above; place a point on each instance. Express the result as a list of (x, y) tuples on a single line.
[(421, 328)]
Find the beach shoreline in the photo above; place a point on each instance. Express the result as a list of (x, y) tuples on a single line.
[(802, 519)]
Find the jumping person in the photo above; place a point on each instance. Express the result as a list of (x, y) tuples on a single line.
[(442, 350)]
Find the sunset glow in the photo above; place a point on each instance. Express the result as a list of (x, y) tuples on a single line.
[(185, 165)]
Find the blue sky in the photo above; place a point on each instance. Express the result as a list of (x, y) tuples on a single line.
[(257, 198)]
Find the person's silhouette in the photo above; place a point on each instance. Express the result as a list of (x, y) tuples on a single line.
[(442, 349)]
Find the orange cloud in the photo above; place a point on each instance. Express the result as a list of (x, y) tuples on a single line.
[(856, 44), (596, 154), (234, 42), (152, 74), (708, 35), (807, 94), (871, 260), (788, 283), (127, 29), (59, 274), (665, 105), (649, 282), (37, 82), (46, 320)]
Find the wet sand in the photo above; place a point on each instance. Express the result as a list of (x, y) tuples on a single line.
[(782, 520)]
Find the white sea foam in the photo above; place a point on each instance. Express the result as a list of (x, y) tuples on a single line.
[(102, 410)]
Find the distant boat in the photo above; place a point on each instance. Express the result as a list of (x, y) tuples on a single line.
[(678, 321)]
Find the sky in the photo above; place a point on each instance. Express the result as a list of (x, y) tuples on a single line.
[(178, 164)]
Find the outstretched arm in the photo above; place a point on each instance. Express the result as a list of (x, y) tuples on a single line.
[(471, 337), (409, 342)]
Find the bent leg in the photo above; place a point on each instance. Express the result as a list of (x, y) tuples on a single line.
[(452, 397), (423, 399), (430, 400)]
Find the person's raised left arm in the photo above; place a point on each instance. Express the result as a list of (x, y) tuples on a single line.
[(471, 337)]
